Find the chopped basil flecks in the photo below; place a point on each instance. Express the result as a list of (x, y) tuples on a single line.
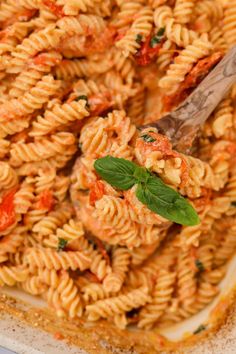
[(199, 265), (157, 38), (61, 244), (83, 97), (151, 190), (200, 329), (139, 38), (161, 31), (154, 41), (148, 138)]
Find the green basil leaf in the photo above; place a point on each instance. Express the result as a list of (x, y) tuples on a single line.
[(166, 202), (148, 138), (199, 265), (200, 329), (117, 172), (157, 38), (83, 97), (139, 38), (154, 41), (61, 244), (141, 174), (161, 31)]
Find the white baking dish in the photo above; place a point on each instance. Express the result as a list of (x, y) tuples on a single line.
[(22, 338)]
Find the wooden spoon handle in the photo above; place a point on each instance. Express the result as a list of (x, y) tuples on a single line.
[(182, 125), (204, 99)]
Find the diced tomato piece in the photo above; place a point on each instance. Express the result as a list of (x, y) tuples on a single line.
[(195, 76), (91, 277), (56, 9), (146, 53), (7, 210), (43, 58), (97, 191), (161, 143), (46, 200), (98, 42), (99, 103)]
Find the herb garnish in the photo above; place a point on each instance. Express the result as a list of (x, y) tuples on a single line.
[(199, 265), (61, 244), (148, 138), (151, 191), (200, 329), (157, 38), (139, 38), (83, 97)]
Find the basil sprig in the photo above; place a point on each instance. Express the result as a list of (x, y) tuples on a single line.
[(151, 191)]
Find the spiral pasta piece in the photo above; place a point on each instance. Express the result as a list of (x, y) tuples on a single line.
[(140, 254), (141, 26), (24, 197), (41, 65), (180, 35), (136, 105), (82, 24), (184, 62), (49, 276), (127, 10), (8, 177), (160, 300), (51, 259), (68, 296), (41, 149), (227, 247), (117, 305), (69, 232), (231, 188), (212, 9), (27, 104), (229, 27), (223, 118), (183, 10), (94, 292), (11, 242), (120, 264), (59, 115), (69, 69), (166, 54), (217, 39), (53, 220), (11, 275), (186, 281), (33, 285), (47, 38), (73, 7), (4, 147), (99, 265)]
